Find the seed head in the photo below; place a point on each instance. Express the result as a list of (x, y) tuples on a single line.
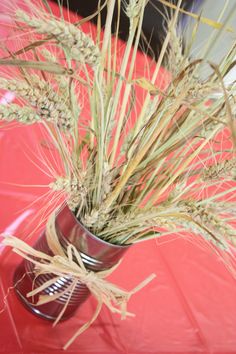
[(24, 115), (77, 44)]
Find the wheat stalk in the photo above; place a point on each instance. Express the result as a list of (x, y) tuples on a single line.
[(24, 115), (206, 216), (40, 95), (220, 170), (77, 44), (74, 190)]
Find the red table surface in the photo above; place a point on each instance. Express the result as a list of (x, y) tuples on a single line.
[(190, 307)]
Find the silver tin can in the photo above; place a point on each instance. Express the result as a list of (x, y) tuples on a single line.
[(96, 254)]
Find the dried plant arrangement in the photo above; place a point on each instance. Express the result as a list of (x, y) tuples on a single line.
[(129, 170), (127, 176)]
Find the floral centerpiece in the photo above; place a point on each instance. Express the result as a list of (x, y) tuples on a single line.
[(129, 170)]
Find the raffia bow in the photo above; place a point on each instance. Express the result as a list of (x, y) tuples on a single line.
[(62, 264)]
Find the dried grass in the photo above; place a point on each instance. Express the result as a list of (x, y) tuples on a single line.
[(133, 170)]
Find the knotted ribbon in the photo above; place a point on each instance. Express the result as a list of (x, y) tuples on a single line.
[(62, 264)]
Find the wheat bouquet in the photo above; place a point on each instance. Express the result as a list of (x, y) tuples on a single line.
[(130, 170)]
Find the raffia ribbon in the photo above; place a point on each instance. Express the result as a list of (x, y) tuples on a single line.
[(62, 264)]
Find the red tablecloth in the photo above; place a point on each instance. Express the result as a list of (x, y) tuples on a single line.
[(189, 308)]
